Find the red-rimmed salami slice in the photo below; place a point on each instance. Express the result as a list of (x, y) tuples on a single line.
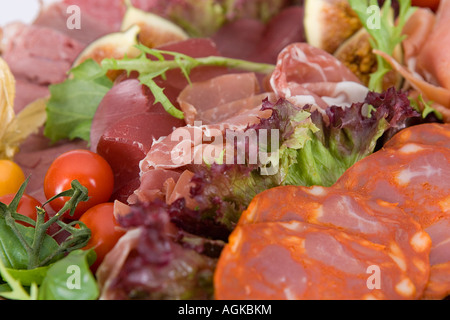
[(436, 134), (297, 260), (416, 177), (377, 221)]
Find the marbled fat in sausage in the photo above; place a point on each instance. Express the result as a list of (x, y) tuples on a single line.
[(298, 260)]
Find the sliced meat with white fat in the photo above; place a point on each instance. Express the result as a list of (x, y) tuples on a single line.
[(377, 221), (416, 177), (297, 260)]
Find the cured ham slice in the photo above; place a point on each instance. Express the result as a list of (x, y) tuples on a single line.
[(221, 90), (97, 19), (308, 75), (417, 31), (297, 260), (414, 175), (38, 54), (205, 101), (439, 95), (154, 184), (433, 60)]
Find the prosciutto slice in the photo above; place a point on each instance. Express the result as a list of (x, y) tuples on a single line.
[(308, 75)]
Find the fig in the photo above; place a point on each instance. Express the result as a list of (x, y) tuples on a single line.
[(356, 53), (328, 23), (155, 31), (114, 45)]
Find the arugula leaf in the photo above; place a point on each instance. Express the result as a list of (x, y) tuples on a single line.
[(385, 35), (149, 69), (73, 103)]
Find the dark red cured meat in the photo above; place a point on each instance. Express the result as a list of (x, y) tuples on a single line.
[(127, 142), (233, 43), (261, 42), (285, 28), (129, 93), (297, 260)]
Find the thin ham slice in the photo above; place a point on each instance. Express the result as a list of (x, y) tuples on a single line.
[(433, 60), (417, 31), (221, 90), (154, 184), (308, 75), (98, 18)]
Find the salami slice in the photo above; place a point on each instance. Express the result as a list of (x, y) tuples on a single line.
[(435, 134), (377, 221), (298, 260), (416, 177)]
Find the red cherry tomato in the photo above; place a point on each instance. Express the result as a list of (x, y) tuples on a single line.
[(27, 206), (432, 4), (105, 231), (90, 169)]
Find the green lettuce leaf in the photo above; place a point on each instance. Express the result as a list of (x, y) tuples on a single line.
[(73, 103)]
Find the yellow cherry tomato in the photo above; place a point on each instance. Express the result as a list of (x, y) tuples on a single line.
[(11, 177)]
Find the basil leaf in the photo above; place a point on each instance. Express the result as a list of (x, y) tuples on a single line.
[(73, 103), (12, 252), (70, 278)]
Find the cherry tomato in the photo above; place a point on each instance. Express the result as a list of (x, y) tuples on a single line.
[(105, 231), (90, 169), (27, 206), (11, 177), (432, 4)]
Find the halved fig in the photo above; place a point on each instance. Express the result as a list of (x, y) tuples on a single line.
[(115, 45), (328, 23), (356, 53), (154, 30)]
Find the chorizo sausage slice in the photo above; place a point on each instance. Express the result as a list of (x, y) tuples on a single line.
[(298, 260), (378, 221), (436, 134), (416, 177)]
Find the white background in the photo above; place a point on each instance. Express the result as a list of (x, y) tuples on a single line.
[(20, 10)]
